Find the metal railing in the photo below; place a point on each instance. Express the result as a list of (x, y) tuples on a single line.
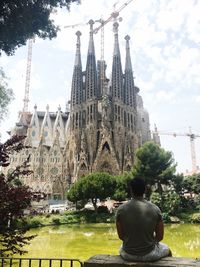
[(39, 262)]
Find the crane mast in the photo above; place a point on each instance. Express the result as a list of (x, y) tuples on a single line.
[(192, 138), (193, 151), (113, 16), (28, 75)]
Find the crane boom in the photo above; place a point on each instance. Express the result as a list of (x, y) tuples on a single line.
[(75, 25), (102, 22), (113, 15), (177, 134)]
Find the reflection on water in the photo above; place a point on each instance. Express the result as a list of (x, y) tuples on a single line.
[(84, 241), (184, 239)]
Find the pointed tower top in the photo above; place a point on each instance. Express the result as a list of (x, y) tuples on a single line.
[(78, 50), (59, 108), (128, 65), (91, 23), (127, 38), (115, 27), (91, 42), (78, 33), (35, 107), (116, 45)]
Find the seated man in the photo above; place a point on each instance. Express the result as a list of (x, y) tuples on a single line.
[(140, 227)]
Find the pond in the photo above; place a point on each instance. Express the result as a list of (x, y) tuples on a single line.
[(84, 241)]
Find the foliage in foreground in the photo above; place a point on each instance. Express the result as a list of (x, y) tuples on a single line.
[(14, 198), (24, 19)]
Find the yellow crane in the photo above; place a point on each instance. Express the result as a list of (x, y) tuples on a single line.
[(192, 138)]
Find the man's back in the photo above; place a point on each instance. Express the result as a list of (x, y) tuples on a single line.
[(139, 219)]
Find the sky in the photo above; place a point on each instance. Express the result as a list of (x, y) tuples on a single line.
[(165, 53)]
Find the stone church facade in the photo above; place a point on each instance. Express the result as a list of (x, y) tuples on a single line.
[(100, 131)]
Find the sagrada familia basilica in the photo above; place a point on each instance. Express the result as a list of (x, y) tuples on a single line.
[(105, 124)]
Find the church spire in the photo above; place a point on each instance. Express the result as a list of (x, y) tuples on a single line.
[(128, 65), (77, 81), (91, 41), (91, 73), (129, 88), (78, 50), (117, 75)]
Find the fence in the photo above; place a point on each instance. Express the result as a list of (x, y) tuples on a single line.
[(39, 262)]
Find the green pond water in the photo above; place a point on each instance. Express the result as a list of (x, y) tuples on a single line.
[(84, 241)]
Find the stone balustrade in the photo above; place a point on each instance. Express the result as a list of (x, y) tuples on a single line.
[(117, 261)]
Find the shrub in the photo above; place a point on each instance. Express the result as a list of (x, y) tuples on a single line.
[(102, 209), (185, 216), (171, 203), (56, 221), (195, 218), (197, 203), (156, 199), (166, 217), (168, 203), (35, 223), (72, 218)]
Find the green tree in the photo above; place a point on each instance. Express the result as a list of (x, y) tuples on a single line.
[(178, 183), (192, 183), (74, 194), (6, 95), (24, 19), (155, 165), (92, 187), (122, 191)]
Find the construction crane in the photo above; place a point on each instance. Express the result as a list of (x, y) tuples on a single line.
[(28, 75), (192, 138), (25, 115), (113, 16)]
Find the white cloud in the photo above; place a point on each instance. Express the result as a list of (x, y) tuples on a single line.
[(197, 99), (53, 104), (165, 96)]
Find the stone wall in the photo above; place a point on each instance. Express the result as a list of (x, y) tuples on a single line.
[(117, 261)]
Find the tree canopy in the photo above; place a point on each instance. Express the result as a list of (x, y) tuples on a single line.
[(24, 19), (191, 183), (122, 190), (155, 165), (93, 187), (6, 95)]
